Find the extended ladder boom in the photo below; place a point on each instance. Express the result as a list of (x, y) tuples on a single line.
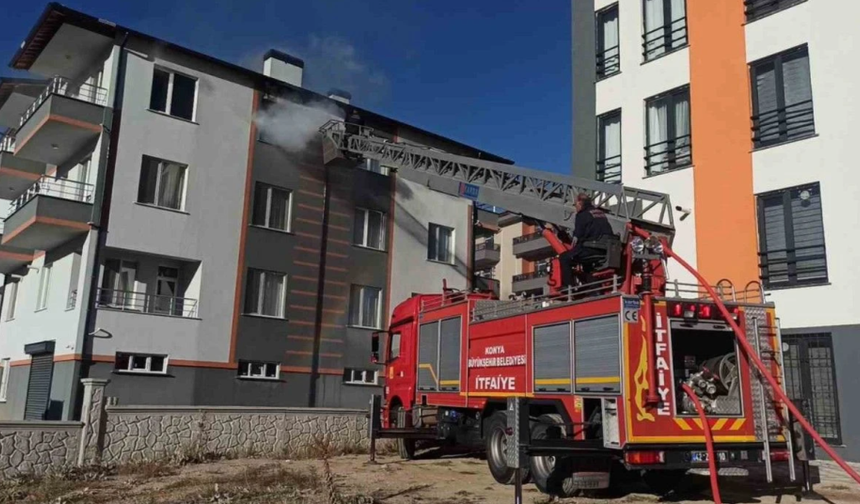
[(540, 195)]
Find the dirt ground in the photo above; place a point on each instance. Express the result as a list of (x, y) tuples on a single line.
[(453, 479)]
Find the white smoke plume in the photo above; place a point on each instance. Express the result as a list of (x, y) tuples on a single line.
[(292, 126)]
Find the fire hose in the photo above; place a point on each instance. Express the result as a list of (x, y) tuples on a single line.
[(709, 443), (754, 359)]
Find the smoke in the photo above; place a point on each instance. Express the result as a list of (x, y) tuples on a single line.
[(292, 126)]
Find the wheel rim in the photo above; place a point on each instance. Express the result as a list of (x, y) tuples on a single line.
[(545, 463), (498, 448)]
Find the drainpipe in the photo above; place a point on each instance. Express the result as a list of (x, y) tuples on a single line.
[(101, 211)]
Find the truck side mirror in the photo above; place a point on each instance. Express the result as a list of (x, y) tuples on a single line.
[(374, 347)]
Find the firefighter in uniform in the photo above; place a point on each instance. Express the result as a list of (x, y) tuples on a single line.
[(590, 224)]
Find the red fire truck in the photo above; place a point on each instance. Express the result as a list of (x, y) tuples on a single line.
[(602, 364)]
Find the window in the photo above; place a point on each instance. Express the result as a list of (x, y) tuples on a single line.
[(608, 50), (440, 244), (173, 94), (167, 300), (12, 294), (609, 147), (162, 183), (140, 363), (118, 285), (756, 9), (665, 27), (259, 370), (810, 381), (782, 98), (44, 286), (394, 347), (272, 207), (369, 229), (372, 165), (668, 143), (4, 378), (365, 304), (265, 293), (352, 376), (791, 237)]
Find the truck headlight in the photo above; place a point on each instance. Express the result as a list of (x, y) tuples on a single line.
[(638, 245), (655, 245)]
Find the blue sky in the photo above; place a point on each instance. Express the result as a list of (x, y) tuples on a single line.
[(493, 74)]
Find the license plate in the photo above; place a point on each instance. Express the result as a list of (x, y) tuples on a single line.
[(590, 480), (702, 456)]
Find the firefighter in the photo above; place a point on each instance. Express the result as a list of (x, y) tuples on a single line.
[(590, 224)]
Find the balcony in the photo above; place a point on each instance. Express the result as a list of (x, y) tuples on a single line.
[(12, 258), (530, 282), (16, 173), (49, 213), (532, 247), (61, 121), (487, 284), (141, 302), (487, 255)]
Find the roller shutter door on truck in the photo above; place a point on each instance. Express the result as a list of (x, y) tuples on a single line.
[(428, 347), (552, 358), (449, 354), (597, 350)]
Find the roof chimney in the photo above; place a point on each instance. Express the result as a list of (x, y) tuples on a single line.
[(282, 66), (340, 95)]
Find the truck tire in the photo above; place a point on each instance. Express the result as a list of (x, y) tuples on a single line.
[(551, 475), (663, 482), (496, 442), (405, 447)]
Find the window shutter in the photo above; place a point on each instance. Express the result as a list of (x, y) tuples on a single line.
[(798, 94), (765, 88), (808, 229), (776, 270)]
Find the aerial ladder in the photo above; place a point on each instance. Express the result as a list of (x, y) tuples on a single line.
[(633, 213)]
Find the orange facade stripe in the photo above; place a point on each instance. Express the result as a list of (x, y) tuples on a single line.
[(60, 119), (339, 214), (301, 352), (14, 256), (12, 172), (307, 370), (310, 193), (720, 123), (51, 221), (308, 221), (310, 207)]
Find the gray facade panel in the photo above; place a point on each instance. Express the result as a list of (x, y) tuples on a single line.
[(16, 394), (584, 94)]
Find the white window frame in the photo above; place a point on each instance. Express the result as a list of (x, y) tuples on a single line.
[(432, 254), (361, 323), (365, 233), (158, 173), (4, 378), (355, 376), (374, 166), (12, 304), (261, 293), (169, 100), (268, 218), (245, 370), (44, 287), (147, 370)]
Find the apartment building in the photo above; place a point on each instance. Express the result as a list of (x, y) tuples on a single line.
[(172, 227), (740, 109)]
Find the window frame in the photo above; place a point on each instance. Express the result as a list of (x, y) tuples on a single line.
[(44, 287), (600, 56), (268, 214), (788, 230), (147, 371), (249, 376), (452, 249), (12, 304), (159, 169), (168, 104), (667, 27), (779, 84), (262, 292), (358, 321), (781, 6), (802, 340), (361, 382), (365, 234), (5, 363), (601, 146), (671, 135)]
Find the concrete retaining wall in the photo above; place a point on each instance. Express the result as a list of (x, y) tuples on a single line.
[(36, 447)]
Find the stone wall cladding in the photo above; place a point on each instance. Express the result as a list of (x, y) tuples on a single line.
[(37, 447), (144, 433)]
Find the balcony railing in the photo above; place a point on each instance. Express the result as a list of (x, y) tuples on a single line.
[(530, 276), (668, 155), (64, 87), (528, 237), (609, 169), (56, 188), (663, 39), (755, 9), (7, 143), (793, 266), (142, 302), (487, 246), (608, 62), (775, 126)]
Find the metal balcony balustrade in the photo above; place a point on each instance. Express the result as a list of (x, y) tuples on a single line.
[(62, 86), (7, 143), (782, 124), (795, 266), (141, 302), (664, 39), (55, 188), (608, 62), (609, 169), (537, 235), (487, 245), (530, 276), (668, 155)]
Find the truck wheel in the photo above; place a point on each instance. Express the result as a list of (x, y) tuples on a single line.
[(663, 482), (496, 442), (551, 475), (405, 447)]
